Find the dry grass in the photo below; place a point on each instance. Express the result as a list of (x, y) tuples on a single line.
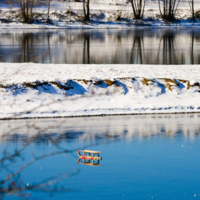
[(147, 81)]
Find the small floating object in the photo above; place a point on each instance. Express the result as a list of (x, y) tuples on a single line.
[(89, 155)]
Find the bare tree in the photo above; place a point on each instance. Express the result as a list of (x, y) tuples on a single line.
[(49, 2), (26, 9), (168, 9), (138, 8), (191, 4), (12, 184), (86, 9)]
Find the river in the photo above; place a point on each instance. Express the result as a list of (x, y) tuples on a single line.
[(139, 46), (143, 157)]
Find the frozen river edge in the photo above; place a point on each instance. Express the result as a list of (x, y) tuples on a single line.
[(31, 90), (159, 24)]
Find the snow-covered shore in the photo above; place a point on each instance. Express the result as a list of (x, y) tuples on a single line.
[(38, 90), (115, 14), (156, 24)]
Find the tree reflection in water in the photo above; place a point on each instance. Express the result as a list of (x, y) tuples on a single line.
[(166, 51), (86, 48), (101, 46), (137, 50)]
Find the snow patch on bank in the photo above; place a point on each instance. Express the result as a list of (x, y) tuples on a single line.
[(37, 90)]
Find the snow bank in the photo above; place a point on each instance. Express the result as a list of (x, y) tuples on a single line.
[(30, 72), (104, 14), (37, 90)]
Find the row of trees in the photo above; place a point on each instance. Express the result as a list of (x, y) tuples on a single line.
[(167, 8), (26, 7)]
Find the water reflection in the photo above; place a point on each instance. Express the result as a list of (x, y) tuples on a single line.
[(137, 51), (38, 157), (101, 46), (89, 162), (166, 52), (97, 129)]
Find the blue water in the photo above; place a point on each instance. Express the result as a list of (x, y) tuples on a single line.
[(158, 166)]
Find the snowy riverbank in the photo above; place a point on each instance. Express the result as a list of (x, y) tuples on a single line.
[(38, 90), (115, 14)]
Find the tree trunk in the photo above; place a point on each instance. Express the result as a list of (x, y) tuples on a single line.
[(192, 9), (27, 9), (88, 10), (48, 10), (84, 8), (30, 16), (133, 7)]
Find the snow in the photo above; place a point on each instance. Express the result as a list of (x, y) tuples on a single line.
[(29, 72), (104, 14), (52, 90)]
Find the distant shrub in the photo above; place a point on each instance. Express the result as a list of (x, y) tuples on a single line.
[(197, 14)]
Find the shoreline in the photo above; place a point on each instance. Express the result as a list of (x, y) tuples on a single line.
[(89, 27), (102, 115)]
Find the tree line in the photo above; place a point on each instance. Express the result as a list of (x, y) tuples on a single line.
[(167, 8)]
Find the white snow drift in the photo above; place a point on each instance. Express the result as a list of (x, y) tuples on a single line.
[(37, 90)]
